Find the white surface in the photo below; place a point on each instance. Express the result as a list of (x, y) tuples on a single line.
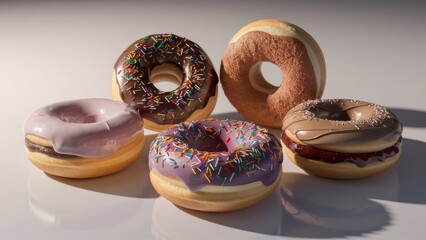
[(58, 50)]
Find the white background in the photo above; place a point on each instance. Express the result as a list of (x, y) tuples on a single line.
[(59, 50)]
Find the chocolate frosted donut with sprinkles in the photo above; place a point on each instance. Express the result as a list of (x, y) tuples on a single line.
[(158, 57), (342, 138), (215, 165)]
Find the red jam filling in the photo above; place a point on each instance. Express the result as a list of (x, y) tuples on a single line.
[(360, 159)]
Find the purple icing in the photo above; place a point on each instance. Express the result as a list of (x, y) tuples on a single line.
[(217, 152), (90, 128)]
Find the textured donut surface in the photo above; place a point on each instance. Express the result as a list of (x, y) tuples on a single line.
[(289, 47)]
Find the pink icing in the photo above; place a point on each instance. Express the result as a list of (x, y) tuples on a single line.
[(217, 152), (90, 128)]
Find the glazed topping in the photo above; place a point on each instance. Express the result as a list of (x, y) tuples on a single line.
[(360, 159), (133, 69), (217, 152), (90, 128), (343, 125)]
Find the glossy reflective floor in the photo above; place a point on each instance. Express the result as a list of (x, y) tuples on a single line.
[(58, 50)]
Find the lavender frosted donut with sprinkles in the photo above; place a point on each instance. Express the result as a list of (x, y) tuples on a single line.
[(215, 165), (166, 57)]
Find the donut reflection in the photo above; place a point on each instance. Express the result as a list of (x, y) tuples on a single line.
[(54, 203), (172, 222)]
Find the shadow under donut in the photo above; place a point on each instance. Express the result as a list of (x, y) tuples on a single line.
[(411, 172), (409, 117), (263, 218), (133, 181), (228, 115), (322, 208)]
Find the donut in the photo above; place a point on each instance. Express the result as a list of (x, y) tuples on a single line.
[(284, 44), (84, 138), (180, 60), (342, 138), (215, 165)]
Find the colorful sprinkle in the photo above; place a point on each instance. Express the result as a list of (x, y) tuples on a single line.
[(211, 153), (200, 78)]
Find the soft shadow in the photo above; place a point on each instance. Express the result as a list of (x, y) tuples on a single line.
[(263, 218), (260, 218), (411, 171), (133, 181), (410, 118), (229, 115), (311, 207), (321, 208)]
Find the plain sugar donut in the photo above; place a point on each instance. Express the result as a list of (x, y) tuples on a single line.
[(286, 45)]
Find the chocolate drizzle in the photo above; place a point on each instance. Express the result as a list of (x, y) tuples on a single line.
[(350, 125), (134, 66)]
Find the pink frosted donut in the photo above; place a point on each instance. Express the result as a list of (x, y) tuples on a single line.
[(215, 165), (84, 138)]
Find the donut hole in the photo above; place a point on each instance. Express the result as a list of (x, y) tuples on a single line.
[(205, 139), (332, 115), (166, 77), (77, 114), (215, 144), (266, 77)]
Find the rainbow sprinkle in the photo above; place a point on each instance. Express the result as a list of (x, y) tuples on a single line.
[(219, 152), (199, 81)]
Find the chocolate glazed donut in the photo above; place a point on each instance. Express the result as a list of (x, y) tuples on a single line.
[(342, 138), (174, 56)]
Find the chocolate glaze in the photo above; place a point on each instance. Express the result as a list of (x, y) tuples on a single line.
[(342, 122), (217, 152), (91, 128), (133, 69)]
